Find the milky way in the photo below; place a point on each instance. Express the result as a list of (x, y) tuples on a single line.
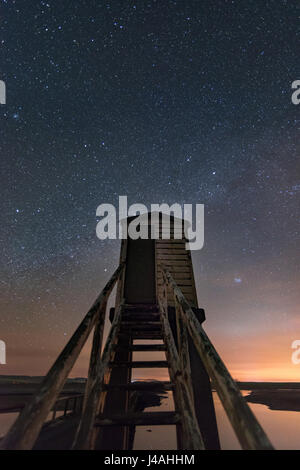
[(162, 101)]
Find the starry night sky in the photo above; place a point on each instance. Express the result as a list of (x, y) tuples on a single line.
[(163, 101)]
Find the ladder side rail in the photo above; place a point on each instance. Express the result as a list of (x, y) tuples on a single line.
[(76, 397), (24, 432), (172, 357), (190, 438), (95, 353), (183, 349), (85, 437), (247, 429)]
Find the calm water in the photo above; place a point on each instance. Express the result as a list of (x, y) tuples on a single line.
[(282, 427)]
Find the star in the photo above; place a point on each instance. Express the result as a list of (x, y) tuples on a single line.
[(149, 100)]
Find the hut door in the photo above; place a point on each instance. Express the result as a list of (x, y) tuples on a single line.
[(140, 272)]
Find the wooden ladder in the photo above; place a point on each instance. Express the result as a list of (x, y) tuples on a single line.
[(138, 322), (106, 420)]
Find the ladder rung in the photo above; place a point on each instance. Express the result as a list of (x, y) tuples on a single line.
[(141, 329), (141, 318), (146, 335), (148, 347), (146, 326), (140, 308), (144, 386), (139, 364), (152, 418)]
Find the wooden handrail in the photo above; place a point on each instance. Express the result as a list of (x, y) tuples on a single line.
[(26, 429), (67, 399), (247, 429), (190, 436), (84, 435)]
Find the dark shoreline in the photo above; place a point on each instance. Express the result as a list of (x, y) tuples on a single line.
[(27, 379), (269, 385), (15, 391)]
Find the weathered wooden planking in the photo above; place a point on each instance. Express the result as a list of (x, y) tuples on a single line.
[(184, 288), (189, 294), (174, 267), (185, 271), (173, 244), (171, 262), (175, 258), (180, 272), (173, 252), (181, 268), (179, 282)]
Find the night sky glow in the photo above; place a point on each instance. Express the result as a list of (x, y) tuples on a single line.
[(163, 101)]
